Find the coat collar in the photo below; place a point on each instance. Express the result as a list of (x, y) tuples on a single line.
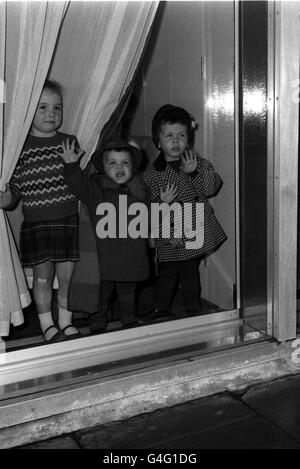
[(108, 183), (160, 164)]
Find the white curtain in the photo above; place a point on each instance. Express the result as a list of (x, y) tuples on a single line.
[(98, 51), (100, 44), (28, 34)]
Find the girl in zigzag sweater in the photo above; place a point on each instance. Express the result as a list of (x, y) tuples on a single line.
[(49, 232)]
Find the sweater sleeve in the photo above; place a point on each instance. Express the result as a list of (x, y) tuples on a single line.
[(78, 182), (16, 196), (15, 185), (16, 180)]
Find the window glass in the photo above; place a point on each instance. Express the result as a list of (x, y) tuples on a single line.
[(189, 62), (254, 162), (201, 80)]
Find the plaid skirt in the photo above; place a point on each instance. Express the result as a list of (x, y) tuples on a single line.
[(53, 240)]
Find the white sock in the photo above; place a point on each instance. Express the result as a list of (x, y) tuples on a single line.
[(64, 320), (2, 346), (46, 321)]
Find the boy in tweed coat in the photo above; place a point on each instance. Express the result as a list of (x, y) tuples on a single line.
[(180, 175)]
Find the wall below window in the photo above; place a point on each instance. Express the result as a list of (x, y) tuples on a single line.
[(136, 390)]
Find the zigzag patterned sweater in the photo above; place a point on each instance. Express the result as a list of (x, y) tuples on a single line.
[(39, 179)]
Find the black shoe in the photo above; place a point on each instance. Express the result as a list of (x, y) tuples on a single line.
[(156, 315), (98, 330), (193, 312), (76, 335), (161, 315), (58, 337), (128, 321), (146, 319), (129, 325), (179, 315)]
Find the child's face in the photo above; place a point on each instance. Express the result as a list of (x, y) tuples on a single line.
[(48, 116), (118, 166), (173, 140)]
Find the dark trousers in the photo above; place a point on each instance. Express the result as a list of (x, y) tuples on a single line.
[(125, 292), (187, 273)]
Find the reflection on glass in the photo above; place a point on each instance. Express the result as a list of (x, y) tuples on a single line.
[(221, 101), (254, 101)]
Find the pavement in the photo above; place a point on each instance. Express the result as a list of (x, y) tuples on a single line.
[(265, 416)]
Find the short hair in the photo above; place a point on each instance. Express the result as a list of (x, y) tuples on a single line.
[(169, 114), (54, 87), (108, 150)]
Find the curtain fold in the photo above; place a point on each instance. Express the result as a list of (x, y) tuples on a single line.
[(114, 38), (96, 72), (27, 45), (99, 47)]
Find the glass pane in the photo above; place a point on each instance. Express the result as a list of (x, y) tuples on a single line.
[(189, 62), (201, 80), (254, 161)]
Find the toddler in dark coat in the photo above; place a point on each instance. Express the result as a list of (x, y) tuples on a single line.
[(109, 195)]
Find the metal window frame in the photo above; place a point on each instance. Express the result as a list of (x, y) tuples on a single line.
[(283, 141)]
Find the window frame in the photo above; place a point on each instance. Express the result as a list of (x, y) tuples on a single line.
[(283, 115), (282, 225)]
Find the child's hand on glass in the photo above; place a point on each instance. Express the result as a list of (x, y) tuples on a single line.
[(70, 154), (169, 194), (189, 162), (5, 197)]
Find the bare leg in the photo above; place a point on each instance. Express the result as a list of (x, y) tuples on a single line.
[(64, 272), (42, 294)]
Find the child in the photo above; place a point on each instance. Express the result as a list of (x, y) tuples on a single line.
[(123, 259), (49, 232), (179, 175)]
